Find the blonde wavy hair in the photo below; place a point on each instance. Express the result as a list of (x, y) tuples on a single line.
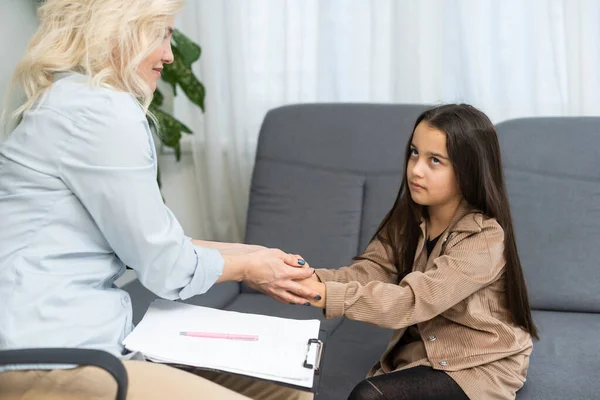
[(104, 39)]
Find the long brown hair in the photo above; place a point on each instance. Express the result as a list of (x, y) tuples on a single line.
[(474, 151)]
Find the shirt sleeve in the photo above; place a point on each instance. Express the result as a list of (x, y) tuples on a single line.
[(470, 265), (107, 161), (373, 265)]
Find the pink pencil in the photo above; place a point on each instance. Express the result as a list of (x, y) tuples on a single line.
[(212, 335)]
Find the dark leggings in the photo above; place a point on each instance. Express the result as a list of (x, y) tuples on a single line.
[(418, 383)]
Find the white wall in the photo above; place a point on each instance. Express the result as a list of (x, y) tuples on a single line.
[(17, 24), (179, 188)]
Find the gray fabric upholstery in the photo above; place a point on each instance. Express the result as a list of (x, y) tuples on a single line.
[(351, 351), (379, 194), (325, 175), (219, 296), (361, 138), (552, 168), (257, 303), (298, 209), (564, 363)]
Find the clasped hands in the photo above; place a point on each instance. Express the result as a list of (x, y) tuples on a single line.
[(287, 278)]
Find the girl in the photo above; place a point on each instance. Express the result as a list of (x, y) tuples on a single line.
[(443, 271)]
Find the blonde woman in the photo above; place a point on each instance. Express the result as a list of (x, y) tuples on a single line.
[(79, 201)]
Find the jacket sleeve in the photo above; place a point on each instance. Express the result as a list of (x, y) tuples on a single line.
[(374, 265), (468, 266)]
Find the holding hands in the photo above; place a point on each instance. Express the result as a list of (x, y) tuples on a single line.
[(285, 277), (275, 273)]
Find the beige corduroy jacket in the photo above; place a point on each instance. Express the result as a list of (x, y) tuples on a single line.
[(449, 313)]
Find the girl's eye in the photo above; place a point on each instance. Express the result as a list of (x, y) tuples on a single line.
[(435, 161), (414, 152)]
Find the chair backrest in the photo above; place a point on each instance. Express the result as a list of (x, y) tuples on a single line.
[(552, 168), (325, 176)]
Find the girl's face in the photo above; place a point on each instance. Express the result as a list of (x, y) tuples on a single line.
[(150, 69), (430, 174)]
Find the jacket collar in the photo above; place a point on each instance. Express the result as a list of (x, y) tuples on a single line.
[(460, 222), (466, 218)]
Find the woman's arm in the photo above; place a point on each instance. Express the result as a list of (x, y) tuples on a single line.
[(107, 162), (260, 268), (228, 248), (272, 272)]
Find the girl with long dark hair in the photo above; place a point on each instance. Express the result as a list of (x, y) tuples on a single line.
[(443, 271)]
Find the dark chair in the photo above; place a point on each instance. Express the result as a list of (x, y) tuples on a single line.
[(81, 357)]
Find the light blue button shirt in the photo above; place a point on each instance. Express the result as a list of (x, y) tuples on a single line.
[(78, 202)]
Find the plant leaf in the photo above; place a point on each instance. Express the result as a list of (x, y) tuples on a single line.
[(157, 99), (193, 89), (170, 130), (189, 51), (178, 151), (179, 73), (169, 74), (186, 79), (167, 121)]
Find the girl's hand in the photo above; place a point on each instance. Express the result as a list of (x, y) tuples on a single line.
[(319, 287)]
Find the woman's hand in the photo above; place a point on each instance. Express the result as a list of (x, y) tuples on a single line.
[(240, 249), (228, 248), (274, 272)]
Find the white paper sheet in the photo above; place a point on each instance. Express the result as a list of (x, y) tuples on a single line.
[(277, 355)]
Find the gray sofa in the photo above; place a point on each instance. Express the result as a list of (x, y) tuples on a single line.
[(552, 168), (325, 176)]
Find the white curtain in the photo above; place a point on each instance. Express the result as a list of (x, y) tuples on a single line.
[(511, 58)]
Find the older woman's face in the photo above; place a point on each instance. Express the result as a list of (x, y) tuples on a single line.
[(150, 69)]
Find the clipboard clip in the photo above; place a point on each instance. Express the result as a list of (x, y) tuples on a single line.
[(317, 363)]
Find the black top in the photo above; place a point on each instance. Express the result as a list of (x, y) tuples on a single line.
[(431, 243)]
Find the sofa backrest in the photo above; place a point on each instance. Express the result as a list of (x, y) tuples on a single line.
[(325, 176), (552, 168)]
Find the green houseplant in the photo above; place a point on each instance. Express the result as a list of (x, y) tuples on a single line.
[(178, 74)]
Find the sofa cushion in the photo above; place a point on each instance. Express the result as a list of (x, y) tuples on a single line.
[(564, 363), (351, 351), (301, 209), (552, 168), (217, 296), (360, 138), (379, 195), (257, 303)]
